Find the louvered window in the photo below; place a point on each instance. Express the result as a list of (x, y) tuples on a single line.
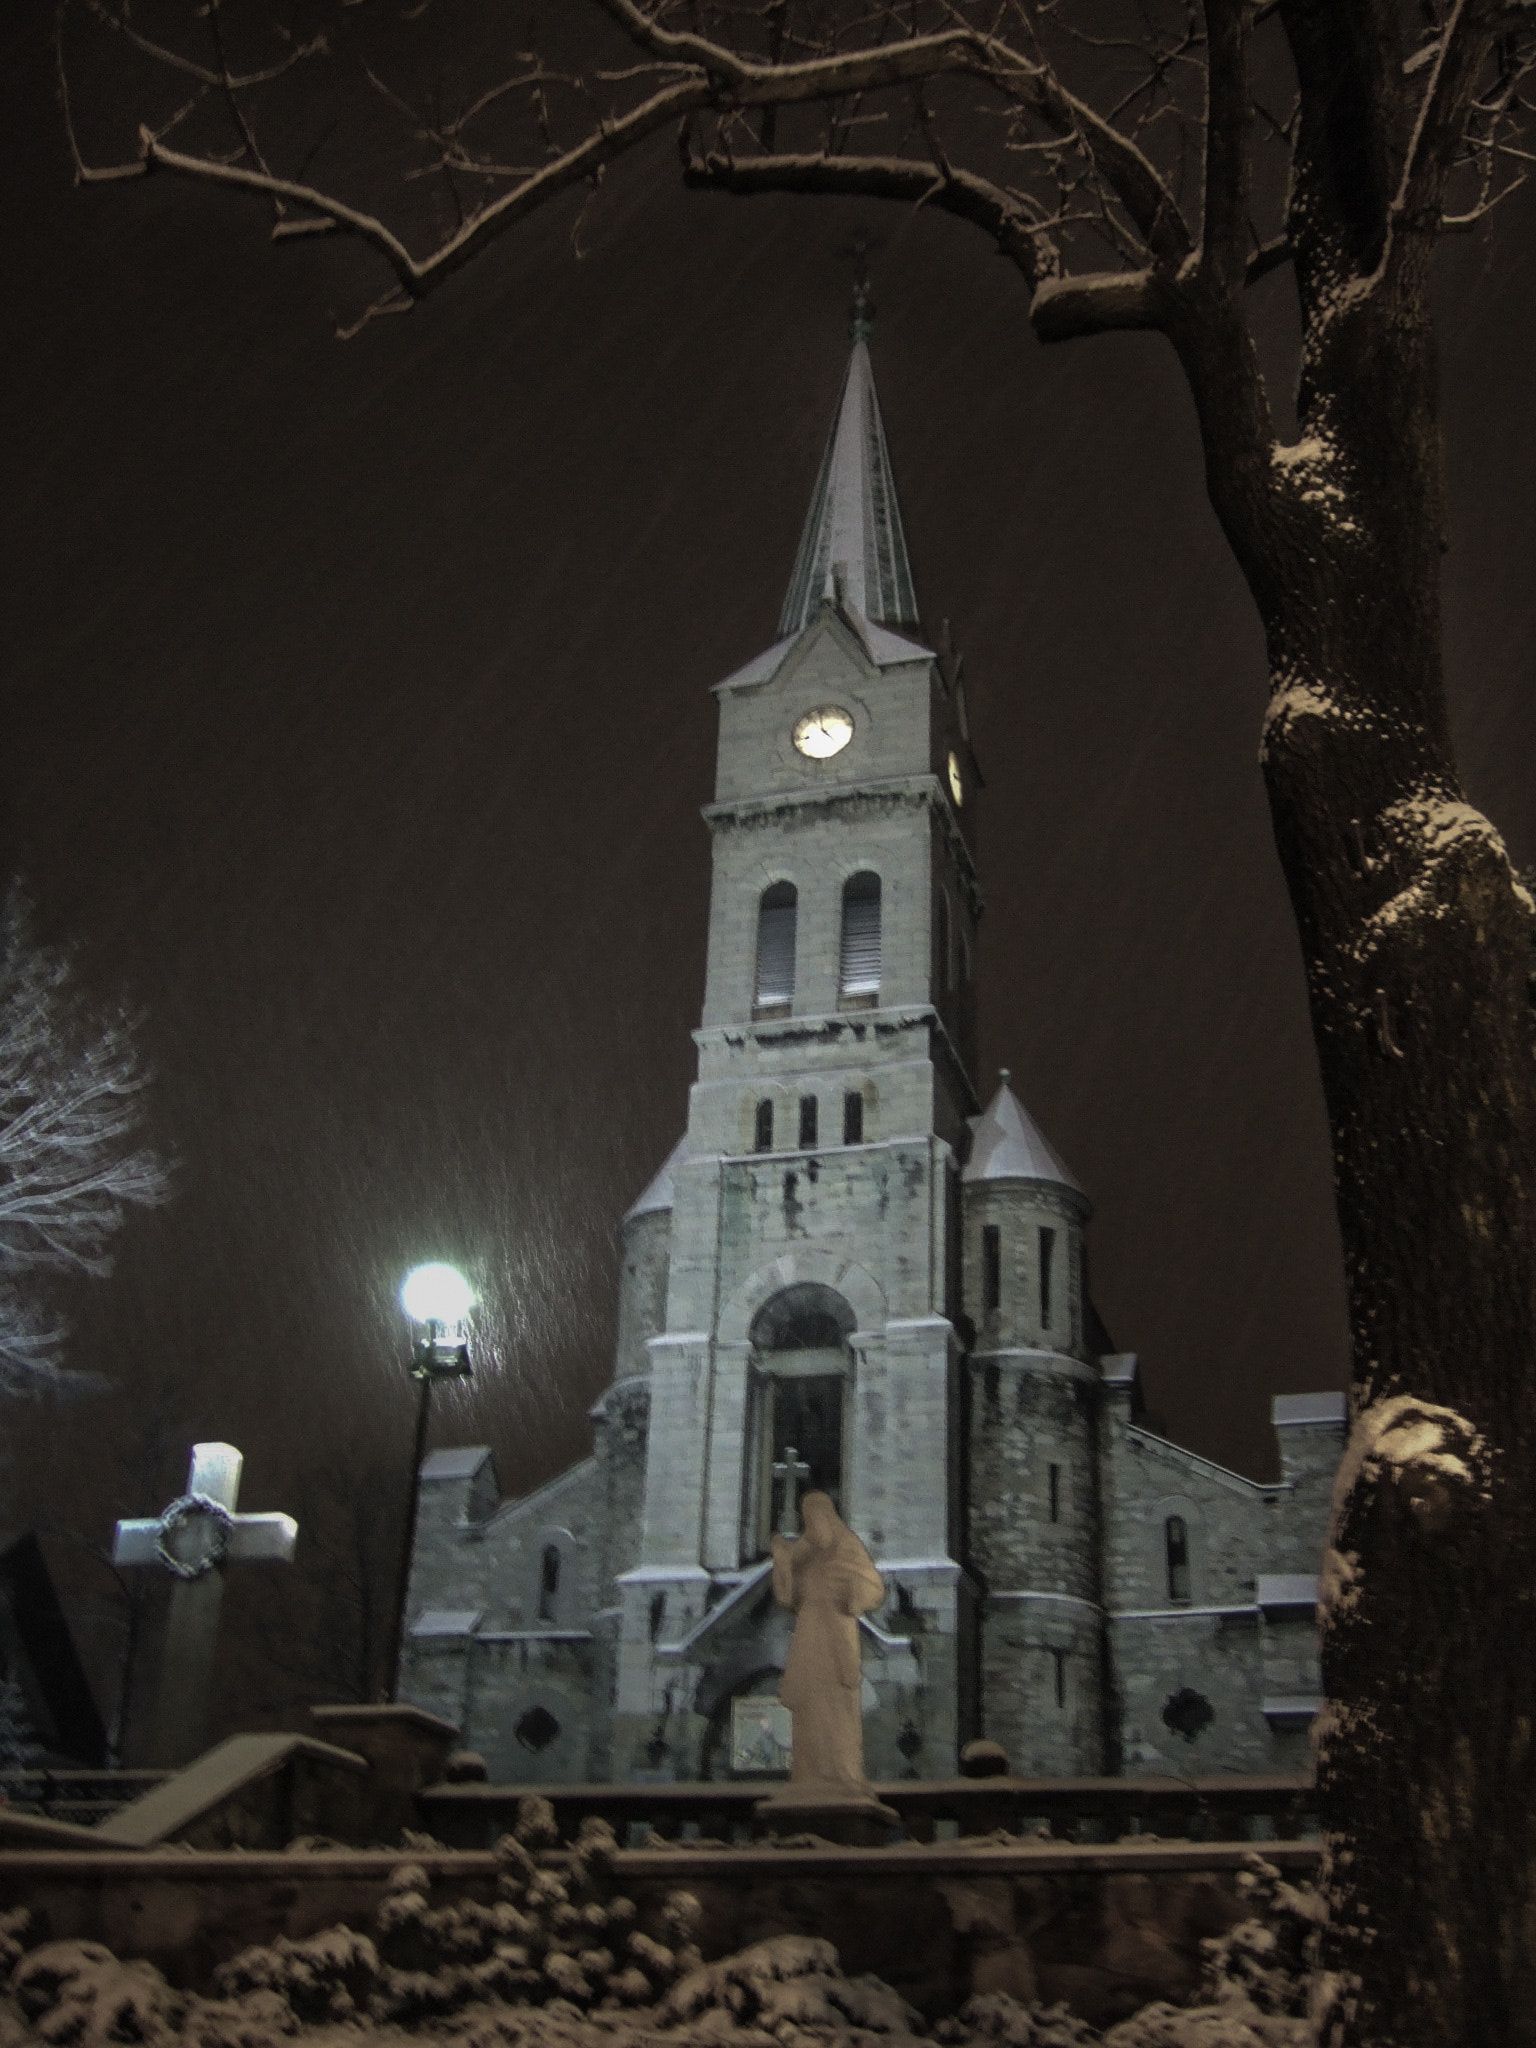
[(859, 969), (775, 949)]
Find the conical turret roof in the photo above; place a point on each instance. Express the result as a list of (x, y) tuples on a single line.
[(659, 1193), (854, 522), (1007, 1144)]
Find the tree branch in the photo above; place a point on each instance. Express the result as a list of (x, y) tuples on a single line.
[(1228, 183), (1021, 231)]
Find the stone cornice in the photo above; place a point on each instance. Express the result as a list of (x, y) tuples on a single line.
[(914, 790)]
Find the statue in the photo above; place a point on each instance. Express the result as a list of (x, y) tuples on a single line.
[(825, 1575)]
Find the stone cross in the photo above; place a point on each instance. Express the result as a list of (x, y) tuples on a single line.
[(792, 1468), (193, 1540)]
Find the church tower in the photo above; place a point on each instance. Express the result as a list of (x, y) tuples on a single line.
[(851, 1275), (806, 1331)]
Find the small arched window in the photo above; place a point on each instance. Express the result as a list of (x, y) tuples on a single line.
[(1176, 1548), (775, 986), (858, 979), (549, 1583)]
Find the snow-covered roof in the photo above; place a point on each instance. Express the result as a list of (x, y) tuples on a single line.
[(462, 1462), (1288, 1409), (659, 1193), (854, 521), (1006, 1144), (448, 1621)]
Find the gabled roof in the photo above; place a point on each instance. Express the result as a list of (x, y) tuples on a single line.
[(884, 649), (659, 1194), (854, 521), (1006, 1144)]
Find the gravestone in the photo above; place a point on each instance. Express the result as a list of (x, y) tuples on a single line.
[(193, 1540)]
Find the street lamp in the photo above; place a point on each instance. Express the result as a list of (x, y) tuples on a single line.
[(437, 1299)]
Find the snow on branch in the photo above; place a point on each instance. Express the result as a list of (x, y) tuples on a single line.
[(71, 1104)]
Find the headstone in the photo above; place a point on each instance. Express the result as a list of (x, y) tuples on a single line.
[(193, 1540)]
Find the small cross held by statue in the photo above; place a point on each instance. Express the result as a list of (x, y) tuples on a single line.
[(193, 1540), (792, 1469)]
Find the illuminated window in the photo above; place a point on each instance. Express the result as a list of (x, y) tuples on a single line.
[(858, 979), (775, 986)]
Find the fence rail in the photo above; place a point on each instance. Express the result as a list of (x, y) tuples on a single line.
[(1227, 1808)]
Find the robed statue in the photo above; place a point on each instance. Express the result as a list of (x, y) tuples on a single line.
[(825, 1575)]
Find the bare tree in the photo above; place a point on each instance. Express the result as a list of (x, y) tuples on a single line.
[(71, 1101), (1142, 165), (325, 1632)]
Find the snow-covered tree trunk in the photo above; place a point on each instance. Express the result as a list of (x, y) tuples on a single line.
[(1416, 939)]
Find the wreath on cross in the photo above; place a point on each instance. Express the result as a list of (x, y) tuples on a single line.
[(194, 1507)]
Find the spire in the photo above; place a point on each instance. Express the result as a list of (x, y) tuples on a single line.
[(1007, 1144), (853, 548)]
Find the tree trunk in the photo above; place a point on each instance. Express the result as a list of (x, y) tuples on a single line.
[(1416, 943)]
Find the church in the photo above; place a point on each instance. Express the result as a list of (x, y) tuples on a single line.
[(855, 1273)]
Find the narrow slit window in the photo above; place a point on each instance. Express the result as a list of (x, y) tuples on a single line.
[(859, 966), (1176, 1548), (1047, 1255), (1059, 1659), (1055, 1492), (807, 1122), (549, 1582), (942, 944), (991, 1267), (775, 987), (762, 1136), (853, 1117)]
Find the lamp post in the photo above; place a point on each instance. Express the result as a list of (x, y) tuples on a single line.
[(437, 1299)]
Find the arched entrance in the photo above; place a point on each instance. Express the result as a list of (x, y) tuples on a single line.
[(801, 1366)]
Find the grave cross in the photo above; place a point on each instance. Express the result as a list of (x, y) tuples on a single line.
[(792, 1468), (193, 1540)]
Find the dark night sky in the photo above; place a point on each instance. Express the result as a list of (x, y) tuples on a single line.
[(357, 723)]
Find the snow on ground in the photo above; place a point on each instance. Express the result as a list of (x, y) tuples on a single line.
[(557, 1961)]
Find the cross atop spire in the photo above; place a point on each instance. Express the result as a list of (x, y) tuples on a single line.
[(852, 547)]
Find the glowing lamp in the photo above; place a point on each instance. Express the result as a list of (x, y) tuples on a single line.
[(436, 1294)]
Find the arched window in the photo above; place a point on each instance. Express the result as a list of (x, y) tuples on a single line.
[(549, 1583), (858, 979), (1176, 1547), (775, 987)]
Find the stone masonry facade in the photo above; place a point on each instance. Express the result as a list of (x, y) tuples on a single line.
[(851, 1274)]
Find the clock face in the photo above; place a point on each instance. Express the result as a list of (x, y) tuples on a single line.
[(956, 786), (820, 734)]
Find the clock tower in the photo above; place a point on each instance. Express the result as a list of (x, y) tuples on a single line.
[(850, 1275), (808, 1332)]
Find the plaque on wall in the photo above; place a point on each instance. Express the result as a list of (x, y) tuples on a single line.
[(761, 1737)]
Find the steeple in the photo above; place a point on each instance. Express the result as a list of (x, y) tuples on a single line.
[(854, 525)]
